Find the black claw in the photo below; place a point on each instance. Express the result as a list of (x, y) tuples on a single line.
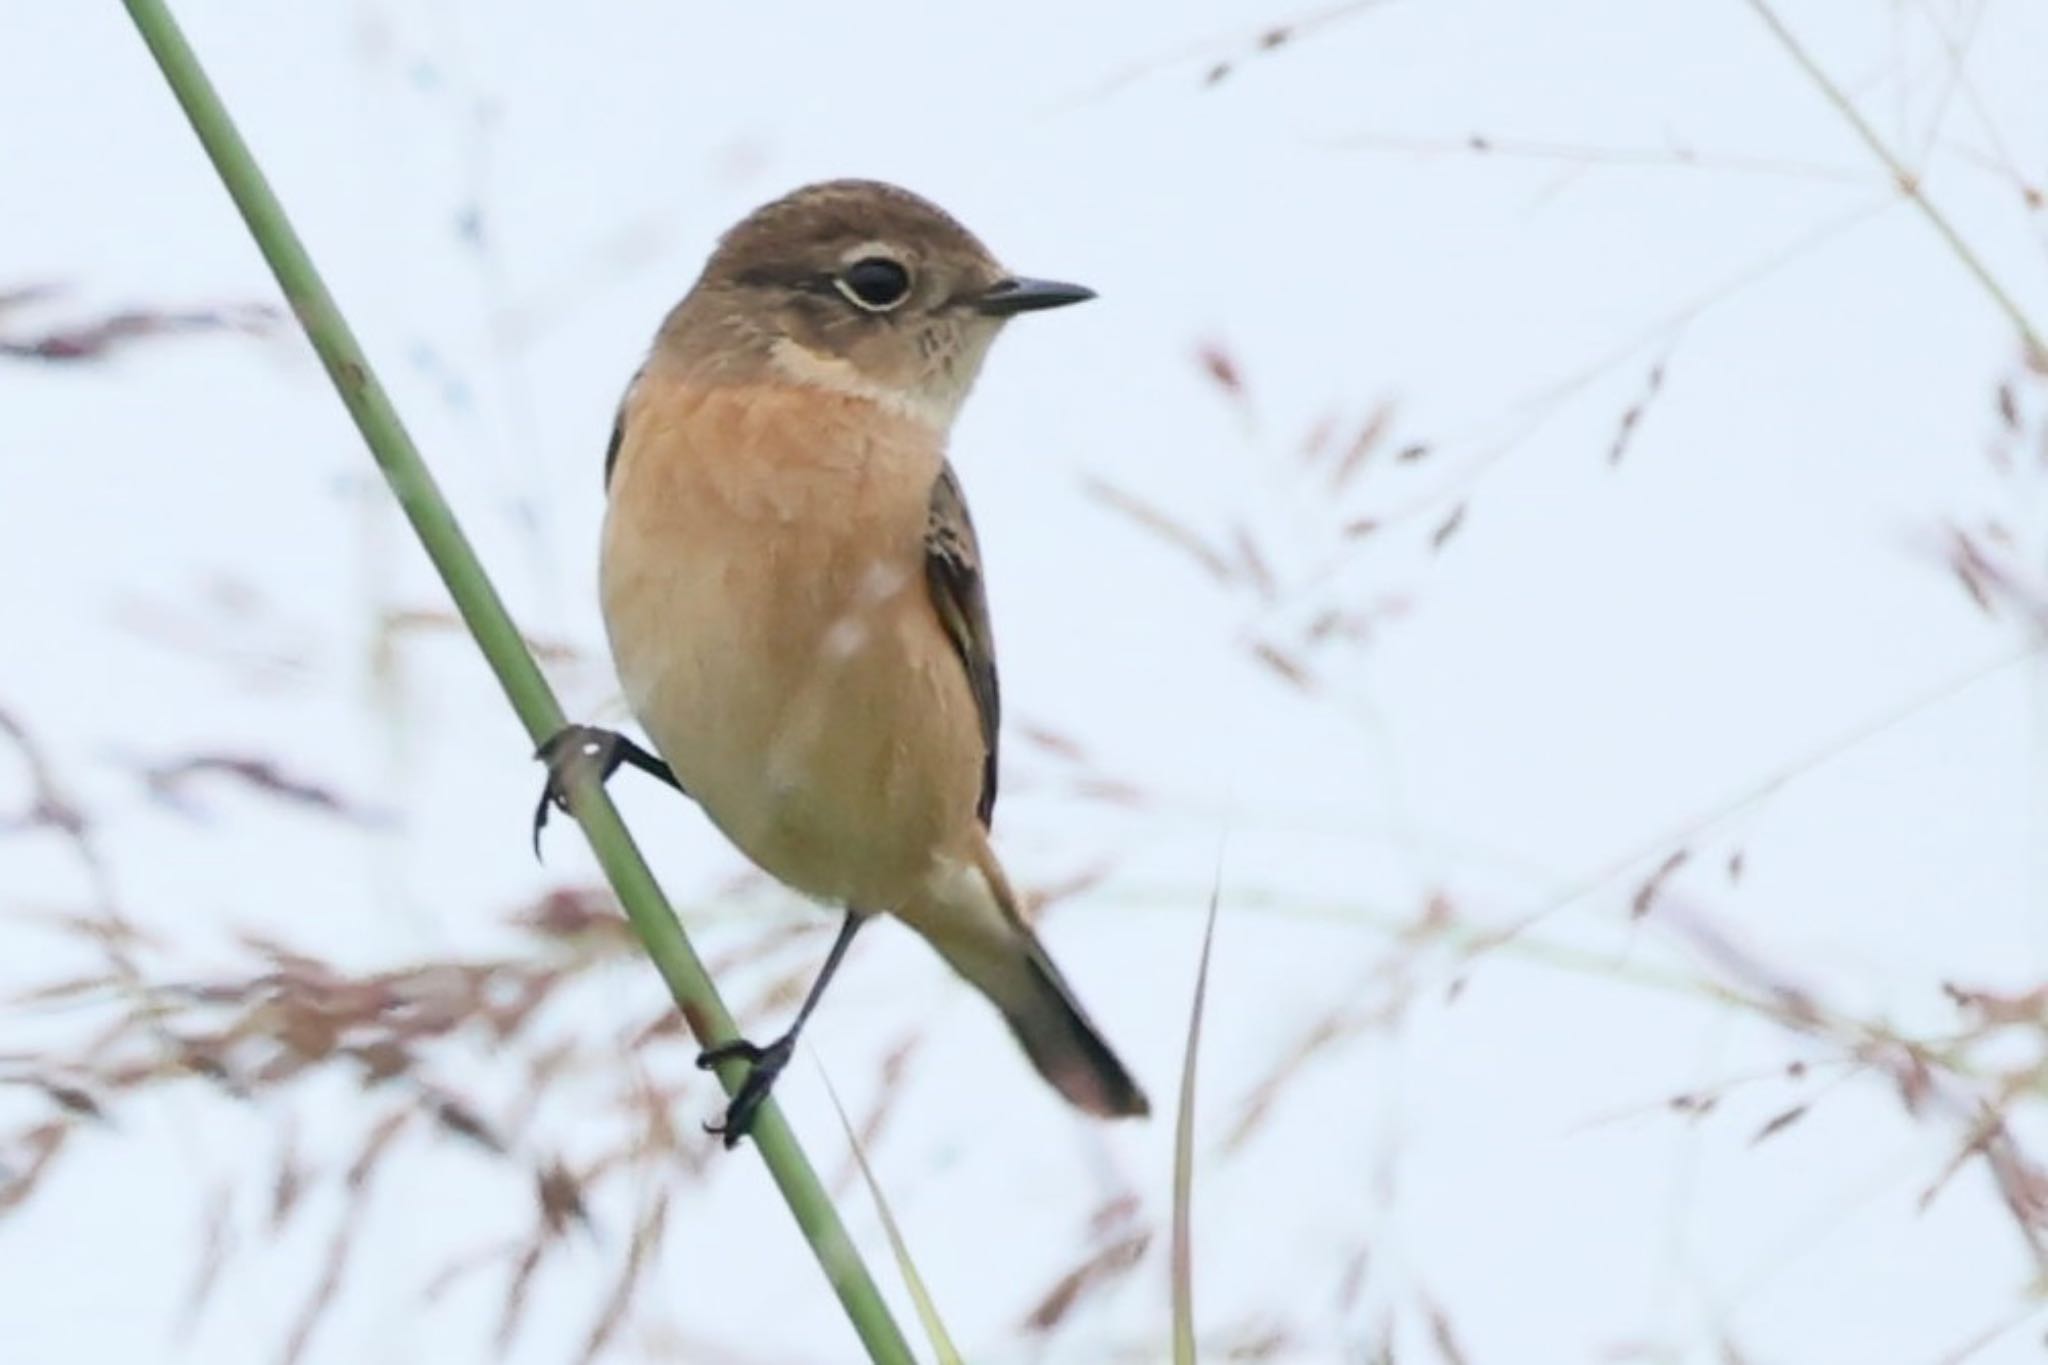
[(540, 820), (604, 749), (764, 1065), (571, 743), (738, 1050)]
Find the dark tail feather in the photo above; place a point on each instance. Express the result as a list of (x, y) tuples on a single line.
[(1060, 1039), (989, 944)]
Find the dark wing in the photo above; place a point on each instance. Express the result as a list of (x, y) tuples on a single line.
[(952, 567), (611, 451)]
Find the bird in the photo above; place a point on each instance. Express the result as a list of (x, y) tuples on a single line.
[(794, 598)]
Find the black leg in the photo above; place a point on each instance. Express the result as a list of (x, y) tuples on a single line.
[(603, 749), (764, 1064)]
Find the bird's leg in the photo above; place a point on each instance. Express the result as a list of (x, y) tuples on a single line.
[(602, 749), (764, 1064)]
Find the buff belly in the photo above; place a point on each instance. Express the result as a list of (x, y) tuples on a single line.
[(781, 651)]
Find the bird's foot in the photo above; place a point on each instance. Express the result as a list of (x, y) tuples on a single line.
[(601, 749), (764, 1064)]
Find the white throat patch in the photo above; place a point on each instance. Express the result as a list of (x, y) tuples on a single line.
[(802, 365)]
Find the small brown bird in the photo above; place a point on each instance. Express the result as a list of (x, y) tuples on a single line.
[(794, 595)]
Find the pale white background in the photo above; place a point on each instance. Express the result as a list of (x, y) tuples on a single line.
[(1600, 659)]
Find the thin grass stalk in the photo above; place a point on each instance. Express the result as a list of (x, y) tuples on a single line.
[(1182, 1260), (506, 652), (944, 1352), (1908, 181)]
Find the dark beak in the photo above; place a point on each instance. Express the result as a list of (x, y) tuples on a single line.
[(1012, 296)]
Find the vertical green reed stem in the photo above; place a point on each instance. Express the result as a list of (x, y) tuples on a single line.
[(508, 656)]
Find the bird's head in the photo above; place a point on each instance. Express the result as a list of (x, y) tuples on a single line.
[(857, 287)]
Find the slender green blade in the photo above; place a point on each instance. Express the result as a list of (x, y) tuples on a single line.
[(1183, 1262), (927, 1310)]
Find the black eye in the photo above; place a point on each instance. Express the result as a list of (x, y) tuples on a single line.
[(876, 283)]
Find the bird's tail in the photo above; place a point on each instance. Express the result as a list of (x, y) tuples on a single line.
[(977, 927)]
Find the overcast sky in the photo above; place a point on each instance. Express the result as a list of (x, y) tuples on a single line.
[(1536, 236)]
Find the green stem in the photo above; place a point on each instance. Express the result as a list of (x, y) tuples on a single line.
[(509, 659)]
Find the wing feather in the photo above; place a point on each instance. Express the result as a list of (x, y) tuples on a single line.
[(952, 564)]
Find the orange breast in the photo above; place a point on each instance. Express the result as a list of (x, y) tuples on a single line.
[(764, 590)]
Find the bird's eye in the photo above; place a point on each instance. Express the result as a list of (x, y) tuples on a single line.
[(875, 283)]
